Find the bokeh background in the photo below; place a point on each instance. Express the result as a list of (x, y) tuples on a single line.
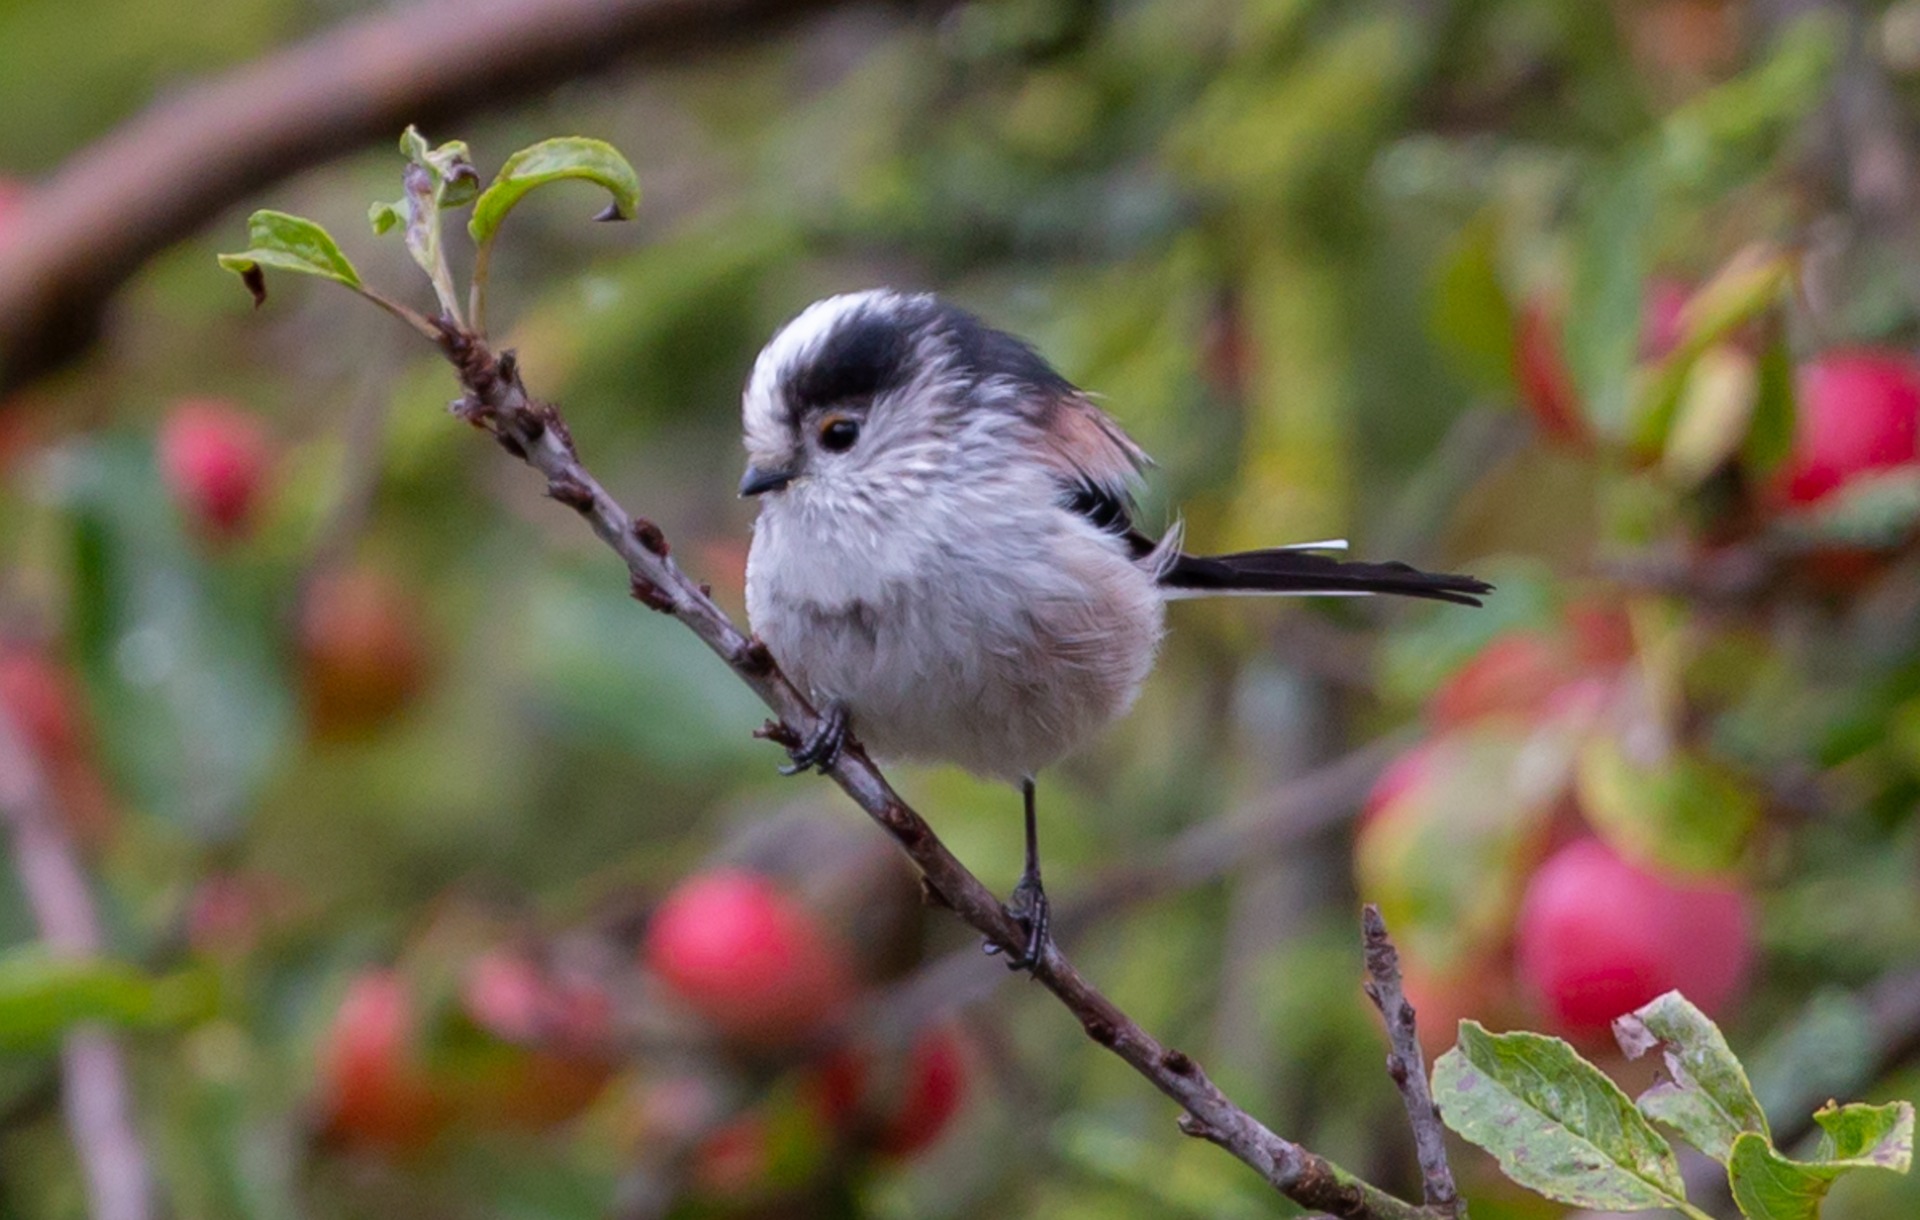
[(418, 844)]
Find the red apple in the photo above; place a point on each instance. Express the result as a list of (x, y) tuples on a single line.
[(215, 459), (1857, 414), (1546, 384), (375, 1090), (1599, 936), (1514, 675), (914, 1107), (749, 959), (362, 651)]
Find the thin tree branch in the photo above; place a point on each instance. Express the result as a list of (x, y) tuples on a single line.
[(496, 399), (1407, 1066), (95, 1091), (1295, 812), (189, 157)]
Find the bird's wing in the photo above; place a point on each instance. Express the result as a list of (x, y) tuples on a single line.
[(1094, 461)]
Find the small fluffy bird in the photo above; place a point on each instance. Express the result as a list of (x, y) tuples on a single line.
[(945, 555)]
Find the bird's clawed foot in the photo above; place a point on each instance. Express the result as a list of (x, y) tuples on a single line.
[(1030, 909), (821, 748)]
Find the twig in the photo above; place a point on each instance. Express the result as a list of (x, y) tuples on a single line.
[(184, 160), (495, 399), (94, 1075), (1297, 811), (1407, 1066)]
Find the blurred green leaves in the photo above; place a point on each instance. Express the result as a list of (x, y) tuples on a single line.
[(180, 652), (43, 996)]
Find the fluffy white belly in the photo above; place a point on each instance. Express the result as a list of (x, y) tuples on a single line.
[(999, 673)]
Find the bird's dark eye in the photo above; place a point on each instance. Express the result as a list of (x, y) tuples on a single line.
[(839, 433)]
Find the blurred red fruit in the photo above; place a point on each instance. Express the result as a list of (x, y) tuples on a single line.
[(215, 459), (1598, 937), (42, 703), (1513, 675), (553, 1058), (748, 958), (1602, 636), (1857, 414), (926, 1091), (363, 655), (1546, 384), (513, 998), (1660, 317), (375, 1092), (506, 995)]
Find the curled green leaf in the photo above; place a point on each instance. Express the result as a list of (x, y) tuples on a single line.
[(288, 243), (1706, 1096), (385, 216), (553, 161), (1769, 1186)]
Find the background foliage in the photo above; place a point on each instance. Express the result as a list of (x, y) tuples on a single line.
[(1380, 270)]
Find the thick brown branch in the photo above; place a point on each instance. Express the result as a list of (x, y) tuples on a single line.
[(94, 1076), (1407, 1066), (496, 400), (193, 155)]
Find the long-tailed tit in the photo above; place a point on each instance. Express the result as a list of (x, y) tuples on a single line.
[(945, 556)]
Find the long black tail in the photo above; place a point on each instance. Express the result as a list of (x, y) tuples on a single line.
[(1304, 571)]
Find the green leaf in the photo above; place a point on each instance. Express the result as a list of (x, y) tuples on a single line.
[(1556, 1123), (1750, 284), (1682, 810), (1604, 312), (1769, 1186), (1736, 128), (1877, 510), (1470, 313), (555, 160), (42, 996), (180, 655), (1770, 439), (1712, 415), (288, 243), (386, 217), (1706, 1097)]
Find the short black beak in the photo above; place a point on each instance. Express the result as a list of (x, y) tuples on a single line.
[(756, 481)]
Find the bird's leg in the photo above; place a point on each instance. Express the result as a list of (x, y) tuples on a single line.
[(820, 748), (1028, 903)]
